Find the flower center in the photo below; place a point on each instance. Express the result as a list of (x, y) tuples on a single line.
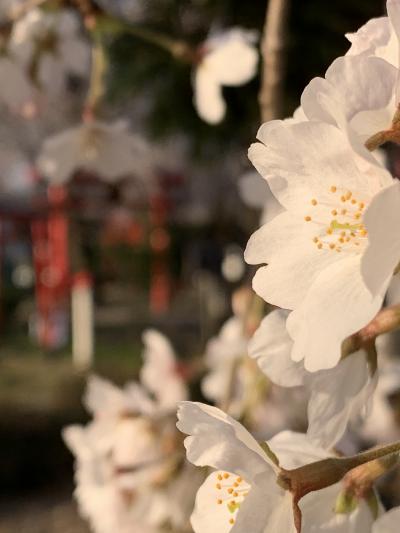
[(338, 217), (231, 491)]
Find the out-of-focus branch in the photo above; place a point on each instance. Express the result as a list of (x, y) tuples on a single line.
[(273, 54), (96, 86)]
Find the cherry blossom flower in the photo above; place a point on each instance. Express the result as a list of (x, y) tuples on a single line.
[(242, 494), (335, 396), (331, 254), (107, 503), (109, 151), (49, 45), (360, 92), (228, 58), (129, 471)]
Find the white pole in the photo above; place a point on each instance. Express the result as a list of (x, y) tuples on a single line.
[(82, 321)]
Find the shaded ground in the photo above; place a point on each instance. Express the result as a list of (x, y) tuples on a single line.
[(40, 394), (44, 513)]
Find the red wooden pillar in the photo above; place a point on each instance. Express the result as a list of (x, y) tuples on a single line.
[(160, 281), (50, 257)]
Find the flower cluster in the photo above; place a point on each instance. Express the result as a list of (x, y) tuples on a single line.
[(43, 52), (130, 472), (329, 253)]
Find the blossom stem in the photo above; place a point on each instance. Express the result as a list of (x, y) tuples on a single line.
[(386, 320), (324, 473), (321, 474)]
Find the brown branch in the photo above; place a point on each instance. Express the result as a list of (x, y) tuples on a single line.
[(386, 320), (273, 54)]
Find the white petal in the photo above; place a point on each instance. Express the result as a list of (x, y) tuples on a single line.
[(295, 449), (318, 515), (334, 395), (393, 8), (382, 220), (208, 99), (388, 523), (337, 305), (269, 240), (373, 38), (159, 372), (271, 346), (219, 441), (102, 397), (287, 279)]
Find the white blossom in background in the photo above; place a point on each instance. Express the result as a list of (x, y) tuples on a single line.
[(16, 173), (332, 252), (110, 151), (336, 396), (17, 92), (50, 46), (129, 471), (160, 373), (227, 59), (225, 357), (242, 494)]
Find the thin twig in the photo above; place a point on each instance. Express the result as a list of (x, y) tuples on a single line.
[(273, 54)]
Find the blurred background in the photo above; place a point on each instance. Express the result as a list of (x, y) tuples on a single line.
[(160, 245)]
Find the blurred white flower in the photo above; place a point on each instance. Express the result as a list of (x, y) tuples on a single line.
[(336, 396), (129, 470), (17, 92), (16, 173), (226, 59), (160, 373), (49, 45), (226, 359), (332, 252), (108, 506), (109, 151), (242, 494)]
